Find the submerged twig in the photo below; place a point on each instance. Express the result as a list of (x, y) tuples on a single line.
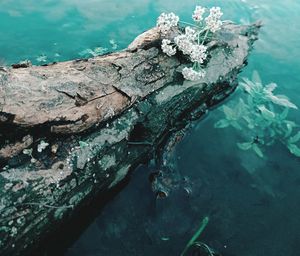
[(196, 235)]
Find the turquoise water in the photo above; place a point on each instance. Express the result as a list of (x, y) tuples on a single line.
[(253, 203)]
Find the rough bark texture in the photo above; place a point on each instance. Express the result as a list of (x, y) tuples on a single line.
[(101, 118)]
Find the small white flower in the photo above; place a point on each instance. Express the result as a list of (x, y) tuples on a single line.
[(167, 48), (166, 21), (213, 22), (213, 25), (198, 53), (198, 13), (184, 44), (190, 33), (192, 75), (216, 12)]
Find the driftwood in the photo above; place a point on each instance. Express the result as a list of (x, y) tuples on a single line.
[(101, 117)]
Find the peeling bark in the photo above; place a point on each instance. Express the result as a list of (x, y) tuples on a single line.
[(101, 117)]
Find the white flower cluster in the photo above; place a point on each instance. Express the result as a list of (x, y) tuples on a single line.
[(213, 21), (198, 13), (192, 75), (190, 33), (192, 41), (167, 47), (166, 21), (184, 44), (198, 53)]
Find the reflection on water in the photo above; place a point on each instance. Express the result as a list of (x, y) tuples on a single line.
[(253, 203)]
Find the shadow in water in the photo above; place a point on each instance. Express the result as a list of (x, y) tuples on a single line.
[(69, 232)]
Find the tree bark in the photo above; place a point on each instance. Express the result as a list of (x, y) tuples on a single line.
[(101, 117)]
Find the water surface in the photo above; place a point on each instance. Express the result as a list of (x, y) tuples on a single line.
[(253, 203)]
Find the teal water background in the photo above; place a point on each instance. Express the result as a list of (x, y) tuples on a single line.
[(254, 203)]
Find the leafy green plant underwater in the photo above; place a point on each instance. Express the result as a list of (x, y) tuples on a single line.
[(196, 244), (262, 118)]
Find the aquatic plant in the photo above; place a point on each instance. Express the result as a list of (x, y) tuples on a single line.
[(97, 51), (193, 241), (42, 58), (28, 151), (42, 145), (192, 41), (114, 45), (262, 119)]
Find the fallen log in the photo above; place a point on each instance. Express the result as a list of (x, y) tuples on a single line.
[(72, 130)]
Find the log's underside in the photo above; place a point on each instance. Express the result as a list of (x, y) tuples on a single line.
[(101, 117)]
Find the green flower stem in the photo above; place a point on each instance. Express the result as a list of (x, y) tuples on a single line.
[(196, 66), (187, 23), (205, 36)]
